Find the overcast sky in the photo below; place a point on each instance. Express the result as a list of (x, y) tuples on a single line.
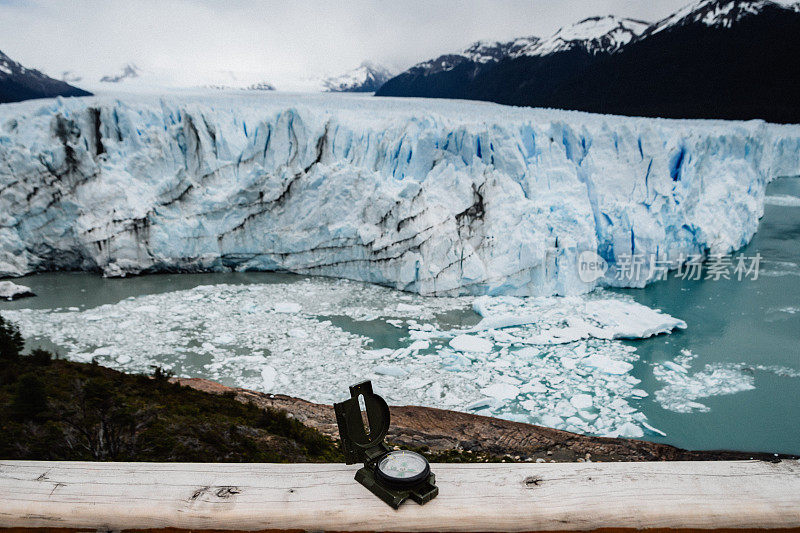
[(194, 42)]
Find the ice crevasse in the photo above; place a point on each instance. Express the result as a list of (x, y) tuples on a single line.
[(435, 197)]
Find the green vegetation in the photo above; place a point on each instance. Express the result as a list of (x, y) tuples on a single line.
[(54, 409)]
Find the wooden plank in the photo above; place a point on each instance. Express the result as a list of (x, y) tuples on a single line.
[(473, 497)]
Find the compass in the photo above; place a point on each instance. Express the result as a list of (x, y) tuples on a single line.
[(392, 475), (402, 469)]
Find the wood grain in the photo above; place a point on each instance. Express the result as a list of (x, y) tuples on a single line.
[(473, 497)]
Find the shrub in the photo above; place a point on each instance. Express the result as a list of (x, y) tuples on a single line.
[(30, 398), (11, 342)]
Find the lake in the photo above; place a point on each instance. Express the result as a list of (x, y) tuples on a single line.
[(730, 380)]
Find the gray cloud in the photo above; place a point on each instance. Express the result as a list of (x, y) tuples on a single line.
[(191, 42)]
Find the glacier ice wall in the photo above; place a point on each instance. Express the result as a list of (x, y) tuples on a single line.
[(436, 197)]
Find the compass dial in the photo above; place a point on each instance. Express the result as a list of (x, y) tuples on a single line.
[(402, 468)]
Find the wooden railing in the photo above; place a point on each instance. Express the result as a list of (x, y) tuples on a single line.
[(472, 497)]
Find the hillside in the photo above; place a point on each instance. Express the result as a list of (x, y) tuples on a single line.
[(18, 83)]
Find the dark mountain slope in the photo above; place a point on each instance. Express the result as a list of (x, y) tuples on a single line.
[(18, 83), (725, 59), (751, 70)]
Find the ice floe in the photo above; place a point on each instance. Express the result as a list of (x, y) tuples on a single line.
[(783, 200), (563, 366), (683, 388), (570, 319), (470, 343), (12, 291)]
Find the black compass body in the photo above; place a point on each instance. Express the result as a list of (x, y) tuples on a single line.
[(392, 475)]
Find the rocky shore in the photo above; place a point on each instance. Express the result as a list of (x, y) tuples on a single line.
[(447, 433)]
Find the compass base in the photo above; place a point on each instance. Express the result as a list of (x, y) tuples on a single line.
[(421, 493)]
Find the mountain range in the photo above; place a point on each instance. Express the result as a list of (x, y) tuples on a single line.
[(727, 59), (18, 83)]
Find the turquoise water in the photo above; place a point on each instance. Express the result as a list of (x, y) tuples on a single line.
[(755, 322), (749, 323)]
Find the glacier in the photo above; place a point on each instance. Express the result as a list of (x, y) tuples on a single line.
[(437, 197)]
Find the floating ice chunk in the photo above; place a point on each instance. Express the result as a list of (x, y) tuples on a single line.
[(484, 403), (415, 382), (123, 359), (471, 343), (621, 406), (564, 409), (639, 393), (607, 365), (377, 354), (12, 291), (503, 337), (225, 338), (513, 417), (533, 386), (287, 307), (503, 321), (688, 407), (581, 401), (419, 345), (654, 430), (563, 320), (268, 375), (408, 308), (528, 352), (82, 357), (298, 333), (630, 430), (435, 391), (390, 370), (575, 423), (145, 309), (675, 366), (479, 305), (551, 421), (620, 319), (501, 391), (103, 352)]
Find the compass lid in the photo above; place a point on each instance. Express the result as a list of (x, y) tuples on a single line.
[(359, 442)]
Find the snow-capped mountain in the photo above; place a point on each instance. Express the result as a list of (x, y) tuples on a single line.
[(717, 13), (19, 83), (480, 53), (711, 59), (129, 71), (367, 78), (595, 35)]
